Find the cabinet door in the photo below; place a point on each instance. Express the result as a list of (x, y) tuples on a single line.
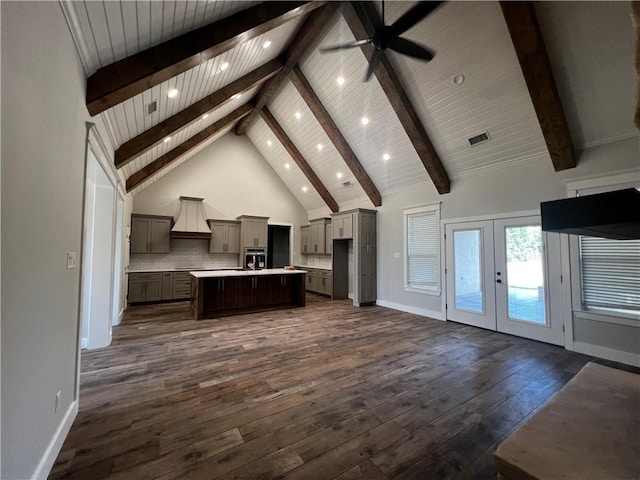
[(305, 235), (160, 230), (262, 231), (366, 289), (233, 238), (140, 235), (153, 289), (343, 226), (136, 290), (181, 285), (167, 286), (328, 239), (366, 228), (250, 233), (218, 237)]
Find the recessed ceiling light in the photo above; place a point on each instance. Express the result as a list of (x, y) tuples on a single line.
[(269, 142), (266, 44), (319, 146), (237, 96), (304, 189), (298, 115), (458, 79), (364, 120), (386, 156), (339, 175), (166, 139), (205, 116), (287, 166), (172, 93), (340, 80), (224, 66)]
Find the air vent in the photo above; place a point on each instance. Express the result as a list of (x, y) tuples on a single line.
[(347, 184), (483, 137), (151, 107)]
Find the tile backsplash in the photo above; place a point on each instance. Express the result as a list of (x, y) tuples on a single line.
[(320, 261), (184, 253)]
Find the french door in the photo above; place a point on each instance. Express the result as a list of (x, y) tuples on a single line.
[(497, 277)]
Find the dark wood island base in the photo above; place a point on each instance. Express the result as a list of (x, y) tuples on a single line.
[(231, 292)]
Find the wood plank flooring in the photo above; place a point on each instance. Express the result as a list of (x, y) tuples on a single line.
[(328, 391)]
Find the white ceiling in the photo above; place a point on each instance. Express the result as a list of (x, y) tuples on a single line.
[(590, 46)]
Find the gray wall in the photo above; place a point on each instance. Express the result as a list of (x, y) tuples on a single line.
[(43, 157)]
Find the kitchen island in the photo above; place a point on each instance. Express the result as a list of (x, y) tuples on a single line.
[(233, 292)]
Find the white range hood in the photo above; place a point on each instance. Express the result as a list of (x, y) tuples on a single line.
[(191, 221)]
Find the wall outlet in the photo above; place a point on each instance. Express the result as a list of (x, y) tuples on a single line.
[(58, 396), (396, 255), (71, 260)]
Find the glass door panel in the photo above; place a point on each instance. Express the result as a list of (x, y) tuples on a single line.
[(468, 270)]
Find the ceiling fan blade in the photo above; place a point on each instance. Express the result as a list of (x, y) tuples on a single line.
[(412, 16), (375, 59), (344, 46), (412, 49)]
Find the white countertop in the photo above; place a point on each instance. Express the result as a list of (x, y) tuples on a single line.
[(243, 273), (186, 270), (314, 267)]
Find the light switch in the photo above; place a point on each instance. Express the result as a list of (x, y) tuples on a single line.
[(71, 260), (396, 255)]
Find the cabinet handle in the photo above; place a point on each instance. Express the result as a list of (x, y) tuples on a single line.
[(340, 232)]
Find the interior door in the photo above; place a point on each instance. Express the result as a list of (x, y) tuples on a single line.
[(522, 282), (470, 275)]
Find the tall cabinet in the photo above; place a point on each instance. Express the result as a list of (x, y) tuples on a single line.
[(355, 230)]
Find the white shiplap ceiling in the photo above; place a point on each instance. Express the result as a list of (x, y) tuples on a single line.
[(590, 46)]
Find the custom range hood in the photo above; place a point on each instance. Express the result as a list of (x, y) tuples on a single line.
[(613, 215), (191, 221)]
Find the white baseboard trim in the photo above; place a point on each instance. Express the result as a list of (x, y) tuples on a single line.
[(627, 358), (416, 310), (52, 451)]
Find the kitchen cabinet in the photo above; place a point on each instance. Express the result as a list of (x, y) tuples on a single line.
[(318, 280), (253, 231), (364, 281), (167, 285), (225, 236), (305, 239), (328, 239), (342, 226), (365, 221), (318, 231), (145, 287), (181, 285), (150, 233)]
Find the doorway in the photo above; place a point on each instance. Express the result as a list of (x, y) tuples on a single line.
[(278, 246), (497, 277)]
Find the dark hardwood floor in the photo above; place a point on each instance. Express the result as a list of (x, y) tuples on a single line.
[(328, 391)]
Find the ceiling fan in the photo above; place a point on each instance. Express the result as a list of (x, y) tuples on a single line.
[(388, 36)]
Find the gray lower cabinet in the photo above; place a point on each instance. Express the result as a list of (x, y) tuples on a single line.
[(167, 286), (318, 280), (145, 287), (181, 285), (364, 281)]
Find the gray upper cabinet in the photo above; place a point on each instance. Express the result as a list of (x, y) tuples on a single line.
[(328, 238), (253, 231), (318, 232), (225, 236), (305, 239), (342, 226), (150, 233), (366, 227)]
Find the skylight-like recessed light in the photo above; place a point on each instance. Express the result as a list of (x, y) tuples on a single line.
[(339, 175), (237, 96), (386, 156), (224, 66), (166, 139), (269, 142), (319, 146), (205, 116), (364, 120), (304, 189), (266, 44), (340, 80), (298, 115), (287, 166), (172, 93)]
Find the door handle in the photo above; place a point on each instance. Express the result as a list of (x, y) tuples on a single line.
[(498, 281)]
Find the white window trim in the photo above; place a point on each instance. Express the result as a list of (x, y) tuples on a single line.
[(434, 207)]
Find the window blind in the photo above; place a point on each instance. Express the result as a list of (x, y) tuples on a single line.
[(610, 271), (423, 264)]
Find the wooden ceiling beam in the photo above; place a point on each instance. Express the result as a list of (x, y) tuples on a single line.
[(302, 163), (308, 34), (171, 156), (155, 135), (538, 75), (334, 134), (121, 80), (359, 17)]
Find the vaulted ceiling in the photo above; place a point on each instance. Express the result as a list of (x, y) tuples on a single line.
[(541, 82)]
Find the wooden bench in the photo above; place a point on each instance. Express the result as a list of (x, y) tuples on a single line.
[(590, 430)]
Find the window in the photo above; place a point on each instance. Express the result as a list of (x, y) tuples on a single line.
[(610, 274), (422, 249)]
